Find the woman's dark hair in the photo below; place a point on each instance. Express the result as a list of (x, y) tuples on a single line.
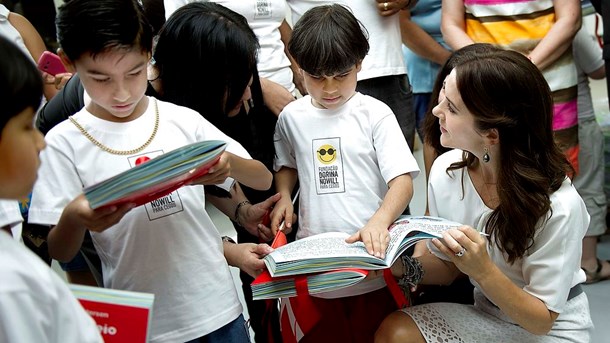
[(155, 12), (504, 91), (432, 132), (96, 26), (206, 55), (20, 82), (328, 40)]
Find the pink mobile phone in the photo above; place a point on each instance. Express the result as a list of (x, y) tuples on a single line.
[(51, 63)]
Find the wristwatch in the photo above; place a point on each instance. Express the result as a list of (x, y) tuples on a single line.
[(228, 239)]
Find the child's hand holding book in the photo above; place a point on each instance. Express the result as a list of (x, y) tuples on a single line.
[(375, 237)]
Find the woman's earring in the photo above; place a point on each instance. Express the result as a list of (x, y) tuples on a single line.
[(486, 157)]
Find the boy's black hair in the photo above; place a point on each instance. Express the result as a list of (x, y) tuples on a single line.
[(20, 82), (96, 26), (328, 40)]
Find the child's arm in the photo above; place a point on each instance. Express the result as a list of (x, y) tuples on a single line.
[(285, 180), (247, 215), (375, 234), (249, 172), (246, 256), (66, 238)]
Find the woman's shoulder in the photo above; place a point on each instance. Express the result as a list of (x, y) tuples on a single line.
[(566, 198), (438, 171), (448, 158)]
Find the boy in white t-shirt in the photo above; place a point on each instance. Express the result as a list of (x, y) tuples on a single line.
[(35, 304), (352, 162), (168, 247)]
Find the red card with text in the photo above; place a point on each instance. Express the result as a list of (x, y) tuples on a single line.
[(121, 316)]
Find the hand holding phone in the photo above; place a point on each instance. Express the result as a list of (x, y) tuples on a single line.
[(51, 63)]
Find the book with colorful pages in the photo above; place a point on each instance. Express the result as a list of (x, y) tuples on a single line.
[(267, 287), (329, 251), (121, 316), (156, 177)]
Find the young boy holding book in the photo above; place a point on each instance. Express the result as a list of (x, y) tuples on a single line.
[(168, 247), (35, 304), (353, 164)]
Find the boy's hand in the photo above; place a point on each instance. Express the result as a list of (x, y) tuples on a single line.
[(218, 173), (375, 238), (95, 220)]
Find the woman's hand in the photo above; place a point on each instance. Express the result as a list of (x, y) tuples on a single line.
[(252, 215), (389, 8), (467, 249)]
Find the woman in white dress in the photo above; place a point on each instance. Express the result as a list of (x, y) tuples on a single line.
[(524, 221)]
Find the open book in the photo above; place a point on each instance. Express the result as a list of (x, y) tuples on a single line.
[(329, 251), (121, 316), (157, 177)]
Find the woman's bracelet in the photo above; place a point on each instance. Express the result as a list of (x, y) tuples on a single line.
[(412, 272), (239, 206)]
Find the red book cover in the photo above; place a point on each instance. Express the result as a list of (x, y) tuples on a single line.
[(156, 177), (121, 316)]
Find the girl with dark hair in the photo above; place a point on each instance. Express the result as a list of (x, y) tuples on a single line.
[(205, 59), (506, 179)]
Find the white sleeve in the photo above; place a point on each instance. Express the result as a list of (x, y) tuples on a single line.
[(57, 185), (393, 153), (284, 151), (587, 52)]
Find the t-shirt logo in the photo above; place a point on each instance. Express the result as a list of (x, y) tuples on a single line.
[(327, 154), (262, 10), (328, 165), (164, 206)]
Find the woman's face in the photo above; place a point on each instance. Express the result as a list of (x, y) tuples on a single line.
[(244, 98), (456, 122)]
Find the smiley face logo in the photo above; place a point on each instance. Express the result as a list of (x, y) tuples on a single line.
[(327, 154)]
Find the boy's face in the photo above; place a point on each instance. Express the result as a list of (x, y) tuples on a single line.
[(331, 91), (116, 81), (20, 144)]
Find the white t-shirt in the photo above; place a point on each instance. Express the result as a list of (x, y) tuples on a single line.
[(265, 18), (168, 247), (551, 266), (587, 58), (8, 31), (385, 54), (35, 304), (10, 215)]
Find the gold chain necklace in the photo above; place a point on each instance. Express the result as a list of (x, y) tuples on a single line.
[(119, 152)]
